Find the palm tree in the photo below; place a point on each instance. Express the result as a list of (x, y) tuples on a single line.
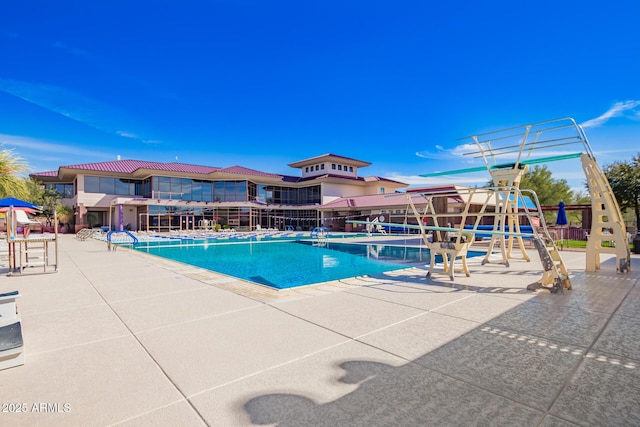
[(11, 167)]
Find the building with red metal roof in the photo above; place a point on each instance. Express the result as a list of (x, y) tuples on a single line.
[(156, 196)]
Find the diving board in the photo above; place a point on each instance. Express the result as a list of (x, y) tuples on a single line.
[(503, 165), (446, 229), (518, 147)]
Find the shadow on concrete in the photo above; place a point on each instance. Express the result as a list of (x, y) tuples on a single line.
[(532, 365)]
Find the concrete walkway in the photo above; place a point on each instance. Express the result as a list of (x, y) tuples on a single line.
[(123, 338)]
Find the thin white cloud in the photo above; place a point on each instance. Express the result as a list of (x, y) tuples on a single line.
[(442, 153), (426, 154), (42, 148), (72, 50), (470, 180), (152, 142), (126, 134), (70, 104), (617, 110)]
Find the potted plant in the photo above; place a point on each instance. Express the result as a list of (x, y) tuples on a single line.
[(92, 220), (65, 215)]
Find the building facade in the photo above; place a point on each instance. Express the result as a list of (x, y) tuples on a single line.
[(155, 196)]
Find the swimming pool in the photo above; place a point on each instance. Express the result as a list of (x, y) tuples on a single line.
[(288, 264)]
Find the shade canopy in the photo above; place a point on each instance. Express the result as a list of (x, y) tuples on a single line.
[(16, 203), (562, 215)]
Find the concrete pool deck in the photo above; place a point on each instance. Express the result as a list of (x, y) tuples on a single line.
[(124, 338)]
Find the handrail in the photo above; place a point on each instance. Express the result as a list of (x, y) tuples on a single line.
[(85, 233), (520, 140), (135, 239)]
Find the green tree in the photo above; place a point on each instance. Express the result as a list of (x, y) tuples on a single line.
[(624, 178), (65, 214), (34, 191), (11, 182), (550, 191), (575, 216), (47, 198)]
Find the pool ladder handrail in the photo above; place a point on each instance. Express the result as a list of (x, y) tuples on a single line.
[(109, 243)]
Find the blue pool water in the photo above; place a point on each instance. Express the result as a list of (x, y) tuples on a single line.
[(287, 264)]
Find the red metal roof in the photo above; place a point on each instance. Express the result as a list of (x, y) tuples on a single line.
[(329, 157), (130, 166), (246, 171), (48, 173)]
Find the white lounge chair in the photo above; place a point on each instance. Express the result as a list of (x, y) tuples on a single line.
[(22, 218), (11, 343)]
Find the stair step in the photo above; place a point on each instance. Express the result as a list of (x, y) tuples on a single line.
[(35, 264), (33, 251)]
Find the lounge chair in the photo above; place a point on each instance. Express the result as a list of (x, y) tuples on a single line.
[(11, 343), (22, 218), (25, 221)]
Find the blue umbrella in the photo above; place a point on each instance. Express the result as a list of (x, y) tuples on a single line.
[(16, 203), (562, 215), (562, 219)]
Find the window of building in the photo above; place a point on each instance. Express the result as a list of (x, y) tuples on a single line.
[(317, 167), (147, 188), (162, 187), (118, 186), (350, 168), (230, 191), (322, 166), (306, 169), (66, 191), (381, 190), (272, 194), (91, 184), (339, 167), (333, 165), (207, 191)]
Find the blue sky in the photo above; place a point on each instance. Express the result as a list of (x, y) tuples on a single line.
[(263, 84)]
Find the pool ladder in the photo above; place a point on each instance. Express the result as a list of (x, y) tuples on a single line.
[(110, 244)]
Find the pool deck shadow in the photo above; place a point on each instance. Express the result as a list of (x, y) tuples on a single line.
[(125, 338)]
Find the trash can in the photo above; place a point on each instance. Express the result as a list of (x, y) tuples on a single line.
[(636, 243)]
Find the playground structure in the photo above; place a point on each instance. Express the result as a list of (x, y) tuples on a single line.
[(507, 155)]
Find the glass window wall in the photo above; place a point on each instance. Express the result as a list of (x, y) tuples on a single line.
[(118, 186), (169, 188), (66, 191), (272, 194)]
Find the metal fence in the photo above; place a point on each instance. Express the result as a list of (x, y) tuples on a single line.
[(568, 233)]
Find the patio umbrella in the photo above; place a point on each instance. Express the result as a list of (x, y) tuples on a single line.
[(16, 203), (27, 210), (561, 220)]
